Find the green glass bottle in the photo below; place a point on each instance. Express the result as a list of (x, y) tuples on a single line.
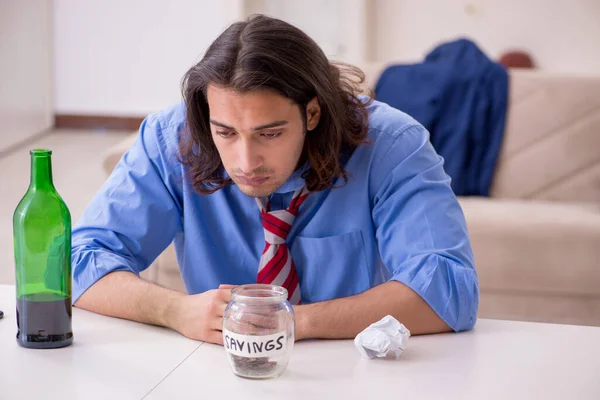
[(42, 242)]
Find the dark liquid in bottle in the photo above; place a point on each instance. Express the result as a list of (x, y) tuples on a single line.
[(44, 321)]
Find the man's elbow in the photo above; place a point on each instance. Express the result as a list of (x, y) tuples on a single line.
[(460, 313), (468, 304)]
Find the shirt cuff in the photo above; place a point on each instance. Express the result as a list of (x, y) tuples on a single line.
[(450, 289), (91, 265)]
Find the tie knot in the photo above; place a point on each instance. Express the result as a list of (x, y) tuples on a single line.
[(277, 225)]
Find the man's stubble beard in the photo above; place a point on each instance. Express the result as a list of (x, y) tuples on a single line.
[(259, 192)]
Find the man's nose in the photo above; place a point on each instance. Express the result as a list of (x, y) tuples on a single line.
[(249, 158)]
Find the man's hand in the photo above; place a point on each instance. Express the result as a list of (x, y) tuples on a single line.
[(200, 316), (122, 294)]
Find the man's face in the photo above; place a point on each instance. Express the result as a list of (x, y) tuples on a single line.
[(259, 136)]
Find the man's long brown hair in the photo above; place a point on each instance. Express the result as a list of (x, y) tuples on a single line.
[(267, 54)]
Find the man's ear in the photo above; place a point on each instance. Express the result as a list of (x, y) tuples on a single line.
[(313, 114)]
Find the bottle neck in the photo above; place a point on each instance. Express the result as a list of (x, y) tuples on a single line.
[(41, 171)]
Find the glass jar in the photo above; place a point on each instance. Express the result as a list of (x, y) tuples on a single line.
[(258, 331)]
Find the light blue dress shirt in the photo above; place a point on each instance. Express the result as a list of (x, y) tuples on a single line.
[(396, 219)]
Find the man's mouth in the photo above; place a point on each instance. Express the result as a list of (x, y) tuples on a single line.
[(252, 181)]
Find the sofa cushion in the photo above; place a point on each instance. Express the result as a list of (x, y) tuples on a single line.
[(552, 137), (559, 309), (164, 271), (537, 247)]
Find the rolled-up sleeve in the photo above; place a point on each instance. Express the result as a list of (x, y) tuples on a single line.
[(134, 216), (421, 229)]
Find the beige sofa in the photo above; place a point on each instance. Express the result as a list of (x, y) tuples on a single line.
[(537, 238)]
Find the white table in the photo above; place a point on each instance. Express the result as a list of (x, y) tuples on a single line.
[(109, 359), (119, 359), (497, 360)]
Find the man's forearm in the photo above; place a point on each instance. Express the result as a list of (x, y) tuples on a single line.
[(345, 318), (124, 295)]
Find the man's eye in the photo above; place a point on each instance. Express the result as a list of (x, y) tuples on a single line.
[(271, 135), (224, 134)]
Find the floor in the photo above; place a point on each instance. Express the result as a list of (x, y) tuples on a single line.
[(77, 168)]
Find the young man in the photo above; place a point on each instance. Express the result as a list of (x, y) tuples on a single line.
[(274, 171)]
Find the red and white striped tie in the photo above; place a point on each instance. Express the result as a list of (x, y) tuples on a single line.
[(276, 265)]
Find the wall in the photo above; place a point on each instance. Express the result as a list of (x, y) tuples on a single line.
[(115, 57), (562, 35), (25, 70), (127, 57), (338, 26)]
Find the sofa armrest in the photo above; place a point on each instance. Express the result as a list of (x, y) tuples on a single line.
[(114, 154)]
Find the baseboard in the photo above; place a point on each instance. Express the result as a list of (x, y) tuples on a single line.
[(97, 122)]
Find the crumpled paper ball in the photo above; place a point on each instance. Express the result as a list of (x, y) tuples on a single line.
[(386, 338)]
